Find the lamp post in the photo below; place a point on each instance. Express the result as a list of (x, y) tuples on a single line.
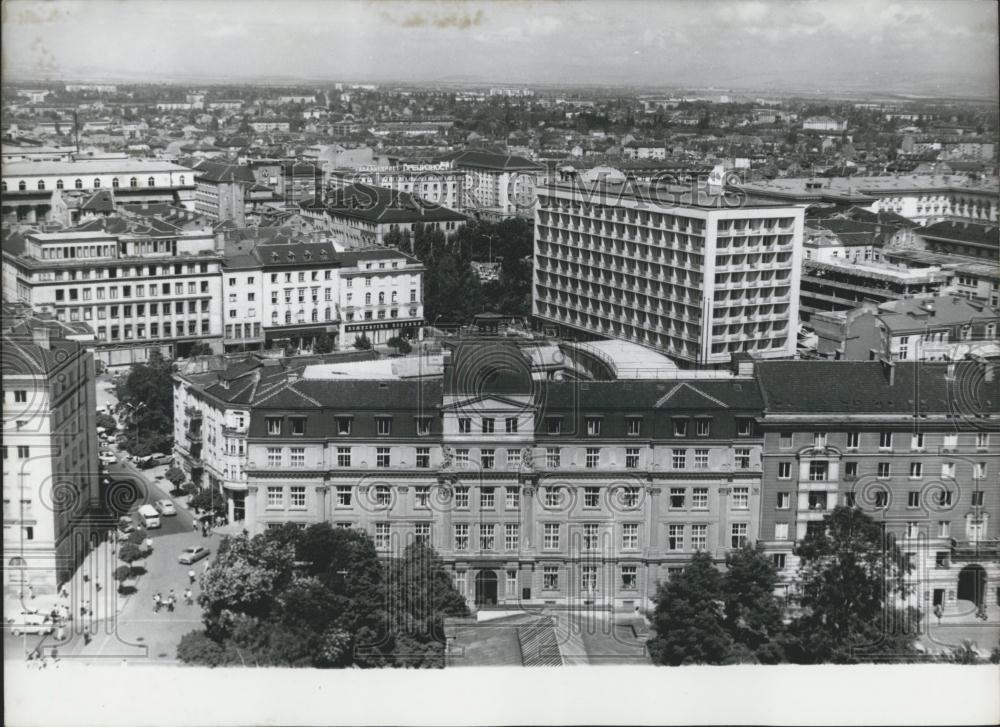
[(490, 238)]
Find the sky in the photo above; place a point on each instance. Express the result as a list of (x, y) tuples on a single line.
[(944, 47)]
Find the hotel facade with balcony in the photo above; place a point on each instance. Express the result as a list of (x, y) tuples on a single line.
[(914, 445), (681, 272)]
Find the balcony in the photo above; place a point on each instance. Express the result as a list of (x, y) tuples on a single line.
[(975, 550)]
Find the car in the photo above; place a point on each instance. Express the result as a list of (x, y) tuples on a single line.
[(107, 458), (125, 525), (165, 507), (193, 554), (30, 622)]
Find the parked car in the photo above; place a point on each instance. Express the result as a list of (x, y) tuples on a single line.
[(107, 457), (165, 507), (125, 525), (29, 622), (193, 554)]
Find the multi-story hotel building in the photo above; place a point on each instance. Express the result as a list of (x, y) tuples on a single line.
[(912, 444), (50, 470), (532, 492), (683, 272), (501, 185), (437, 184), (142, 285)]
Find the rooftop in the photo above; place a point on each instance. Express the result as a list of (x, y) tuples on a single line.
[(89, 167), (913, 313), (862, 188)]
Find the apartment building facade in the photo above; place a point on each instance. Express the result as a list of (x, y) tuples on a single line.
[(142, 286), (914, 445), (437, 184), (50, 467), (674, 270)]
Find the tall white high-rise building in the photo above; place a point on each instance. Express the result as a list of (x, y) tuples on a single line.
[(698, 275)]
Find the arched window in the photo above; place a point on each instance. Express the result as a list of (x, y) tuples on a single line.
[(97, 183), (381, 297), (274, 317), (78, 184), (150, 182), (326, 314), (315, 315), (22, 185), (288, 316), (182, 179), (368, 298), (41, 184), (114, 182), (59, 184), (133, 182)]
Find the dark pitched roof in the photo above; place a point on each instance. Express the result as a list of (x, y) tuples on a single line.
[(490, 160), (963, 232), (100, 201), (223, 172), (385, 206), (863, 387)]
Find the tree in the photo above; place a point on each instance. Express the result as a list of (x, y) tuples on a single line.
[(753, 616), (400, 344), (209, 501), (175, 475), (850, 573), (148, 395), (128, 553), (199, 348), (688, 618), (107, 422), (362, 342), (324, 344)]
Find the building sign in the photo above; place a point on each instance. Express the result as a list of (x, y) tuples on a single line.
[(383, 325)]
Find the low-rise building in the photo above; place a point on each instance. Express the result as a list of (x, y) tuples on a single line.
[(222, 190)]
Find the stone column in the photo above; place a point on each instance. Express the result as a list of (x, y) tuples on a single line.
[(250, 503)]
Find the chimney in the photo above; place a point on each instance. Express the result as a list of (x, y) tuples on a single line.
[(40, 336), (888, 370)]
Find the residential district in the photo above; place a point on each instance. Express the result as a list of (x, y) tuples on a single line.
[(566, 347)]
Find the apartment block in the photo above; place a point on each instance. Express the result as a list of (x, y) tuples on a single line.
[(688, 273)]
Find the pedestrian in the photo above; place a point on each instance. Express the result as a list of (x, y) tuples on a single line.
[(149, 544), (97, 584), (937, 612), (86, 638), (156, 603), (31, 591), (171, 599), (194, 525), (61, 633), (83, 611), (86, 578), (191, 576), (188, 597)]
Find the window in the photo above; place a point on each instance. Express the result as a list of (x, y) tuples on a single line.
[(381, 536), (850, 470), (593, 457), (513, 459), (944, 498), (629, 577), (703, 427), (629, 497), (741, 457), (916, 470), (422, 494), (513, 501), (343, 425), (680, 427), (552, 460), (511, 536), (550, 536), (275, 496), (744, 426), (818, 470), (784, 470), (461, 536), (785, 440), (819, 440), (591, 497), (699, 536), (701, 459), (738, 535), (553, 497), (422, 533), (633, 426), (944, 529), (741, 498), (464, 425), (881, 499), (297, 425), (461, 457), (343, 456), (699, 498), (948, 470), (297, 496), (675, 537), (817, 500), (784, 501), (487, 458), (273, 425), (488, 425), (487, 498), (510, 425), (274, 457), (423, 457), (917, 441), (977, 498), (553, 425), (781, 531), (343, 495), (462, 498), (853, 440), (884, 470), (588, 578), (885, 440), (679, 459), (487, 536), (631, 458), (383, 426), (982, 440), (778, 559), (593, 426), (590, 536), (423, 426), (630, 536), (677, 497), (550, 578), (979, 471)]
